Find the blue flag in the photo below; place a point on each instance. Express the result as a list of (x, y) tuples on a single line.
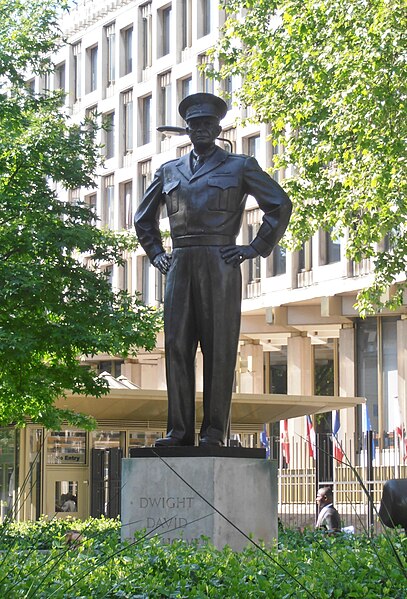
[(265, 441)]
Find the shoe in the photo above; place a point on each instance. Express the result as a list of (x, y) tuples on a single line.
[(208, 442), (168, 442)]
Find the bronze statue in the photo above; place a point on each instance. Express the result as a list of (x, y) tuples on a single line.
[(205, 194)]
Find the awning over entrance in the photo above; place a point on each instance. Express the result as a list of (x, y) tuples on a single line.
[(144, 405)]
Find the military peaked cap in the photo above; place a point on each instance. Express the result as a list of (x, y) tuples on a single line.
[(201, 105)]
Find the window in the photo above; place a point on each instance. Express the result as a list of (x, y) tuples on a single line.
[(146, 35), (35, 469), (206, 83), (324, 369), (66, 496), (75, 196), (46, 87), (126, 202), (107, 439), (145, 279), (377, 374), (127, 36), (253, 225), (227, 88), (330, 250), (60, 77), (66, 447), (278, 173), (93, 67), (9, 482), (165, 24), (144, 178), (108, 125), (186, 87), (128, 121), (91, 118), (144, 439), (145, 116), (253, 146), (111, 48), (160, 280), (305, 256), (276, 262), (90, 202), (204, 17), (275, 379), (113, 367), (30, 86), (165, 99), (108, 204), (77, 72), (230, 136), (186, 16), (107, 271)]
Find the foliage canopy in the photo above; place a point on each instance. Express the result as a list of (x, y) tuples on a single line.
[(329, 78), (54, 306)]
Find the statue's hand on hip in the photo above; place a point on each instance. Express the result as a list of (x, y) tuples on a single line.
[(162, 262), (236, 254)]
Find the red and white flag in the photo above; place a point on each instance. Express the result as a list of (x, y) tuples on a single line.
[(336, 425), (311, 437), (285, 442)]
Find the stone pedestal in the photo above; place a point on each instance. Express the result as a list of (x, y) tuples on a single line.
[(183, 493)]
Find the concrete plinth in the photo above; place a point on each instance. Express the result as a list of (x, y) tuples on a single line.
[(187, 497)]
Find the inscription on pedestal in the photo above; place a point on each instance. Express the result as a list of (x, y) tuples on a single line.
[(162, 520)]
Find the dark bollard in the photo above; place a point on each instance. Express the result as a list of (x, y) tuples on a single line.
[(393, 506)]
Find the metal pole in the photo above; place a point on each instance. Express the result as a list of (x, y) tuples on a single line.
[(317, 442), (369, 474)]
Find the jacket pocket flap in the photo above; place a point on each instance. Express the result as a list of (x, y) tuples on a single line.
[(169, 186), (223, 181)]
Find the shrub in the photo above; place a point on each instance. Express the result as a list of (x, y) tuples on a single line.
[(300, 565)]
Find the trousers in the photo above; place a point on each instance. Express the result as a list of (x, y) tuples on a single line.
[(202, 305)]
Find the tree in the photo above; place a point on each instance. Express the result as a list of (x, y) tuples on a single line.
[(54, 306), (328, 77)]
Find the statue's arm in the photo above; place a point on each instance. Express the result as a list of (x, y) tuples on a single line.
[(274, 203), (147, 218)]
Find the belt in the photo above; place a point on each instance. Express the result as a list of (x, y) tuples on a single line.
[(193, 240)]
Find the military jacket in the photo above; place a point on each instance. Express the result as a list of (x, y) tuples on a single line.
[(206, 207)]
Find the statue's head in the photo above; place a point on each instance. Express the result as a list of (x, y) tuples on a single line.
[(203, 113), (202, 105)]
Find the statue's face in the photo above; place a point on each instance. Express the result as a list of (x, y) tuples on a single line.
[(203, 131)]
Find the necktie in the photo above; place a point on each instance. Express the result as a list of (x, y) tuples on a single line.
[(197, 163)]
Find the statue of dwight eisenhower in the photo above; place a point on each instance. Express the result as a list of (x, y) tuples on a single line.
[(205, 194)]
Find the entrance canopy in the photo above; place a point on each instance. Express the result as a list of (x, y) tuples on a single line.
[(145, 405)]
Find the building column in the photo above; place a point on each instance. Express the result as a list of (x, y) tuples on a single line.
[(252, 374), (300, 367), (347, 388), (300, 381)]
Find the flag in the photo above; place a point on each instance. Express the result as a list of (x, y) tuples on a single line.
[(265, 441), (285, 442), (401, 433), (367, 426), (336, 425), (311, 437)]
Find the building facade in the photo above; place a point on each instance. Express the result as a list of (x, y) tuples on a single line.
[(131, 62)]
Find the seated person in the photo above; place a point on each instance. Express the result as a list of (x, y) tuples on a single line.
[(328, 517)]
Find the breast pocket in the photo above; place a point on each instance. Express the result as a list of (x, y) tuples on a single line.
[(171, 196), (223, 192)]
